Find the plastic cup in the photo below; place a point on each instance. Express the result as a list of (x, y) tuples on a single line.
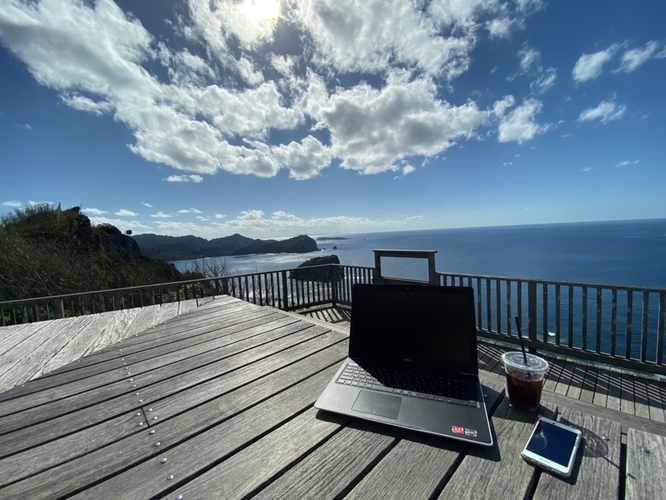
[(524, 382)]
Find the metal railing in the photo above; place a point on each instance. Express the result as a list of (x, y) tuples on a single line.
[(619, 325)]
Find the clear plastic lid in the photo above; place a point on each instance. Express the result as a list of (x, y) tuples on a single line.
[(515, 359)]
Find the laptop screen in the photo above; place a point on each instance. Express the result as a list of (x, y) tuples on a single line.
[(414, 326)]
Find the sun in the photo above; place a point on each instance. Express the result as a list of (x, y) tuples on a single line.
[(261, 11)]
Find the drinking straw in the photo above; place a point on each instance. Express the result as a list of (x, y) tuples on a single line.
[(520, 336)]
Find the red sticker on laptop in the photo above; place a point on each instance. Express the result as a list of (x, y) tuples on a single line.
[(457, 430)]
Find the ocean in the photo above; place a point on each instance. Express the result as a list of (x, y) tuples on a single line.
[(619, 253), (631, 253)]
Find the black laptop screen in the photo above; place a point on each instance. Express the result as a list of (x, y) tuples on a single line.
[(423, 327)]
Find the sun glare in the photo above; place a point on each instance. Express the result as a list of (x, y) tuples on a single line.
[(262, 11)]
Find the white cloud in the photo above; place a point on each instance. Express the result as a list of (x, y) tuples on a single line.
[(520, 125), (255, 224), (365, 35), (184, 211), (544, 81), (249, 73), (220, 216), (305, 159), (528, 58), (125, 213), (251, 215), (586, 169), (590, 66), (184, 178), (94, 211), (408, 169), (500, 27), (626, 163), (12, 204), (201, 218), (161, 215), (83, 103), (541, 81), (282, 214), (500, 106), (195, 210), (210, 106), (632, 59), (606, 111), (372, 130), (146, 204), (24, 126)]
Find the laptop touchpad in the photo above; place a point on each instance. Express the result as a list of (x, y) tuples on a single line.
[(382, 405)]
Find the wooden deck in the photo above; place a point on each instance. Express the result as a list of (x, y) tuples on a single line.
[(637, 394), (218, 403)]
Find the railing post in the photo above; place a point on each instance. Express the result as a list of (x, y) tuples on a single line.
[(334, 285), (532, 313), (285, 291), (433, 279)]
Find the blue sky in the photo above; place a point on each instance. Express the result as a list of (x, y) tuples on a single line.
[(276, 118)]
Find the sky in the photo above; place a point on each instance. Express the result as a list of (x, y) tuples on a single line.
[(273, 118)]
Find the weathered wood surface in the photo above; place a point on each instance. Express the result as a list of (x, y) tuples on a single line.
[(28, 351), (646, 463), (225, 394), (596, 473)]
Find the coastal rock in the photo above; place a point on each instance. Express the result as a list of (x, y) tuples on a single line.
[(307, 271)]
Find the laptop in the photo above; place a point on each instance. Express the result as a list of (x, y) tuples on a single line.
[(412, 362)]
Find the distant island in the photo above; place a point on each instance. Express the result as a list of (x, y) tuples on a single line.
[(172, 248), (330, 238)]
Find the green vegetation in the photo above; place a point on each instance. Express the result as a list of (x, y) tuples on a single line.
[(46, 251)]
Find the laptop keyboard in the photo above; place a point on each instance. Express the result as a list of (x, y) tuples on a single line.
[(456, 391)]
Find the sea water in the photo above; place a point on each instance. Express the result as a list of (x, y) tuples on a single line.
[(618, 253), (630, 253)]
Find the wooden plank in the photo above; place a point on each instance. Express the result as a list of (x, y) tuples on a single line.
[(614, 399), (627, 393), (26, 359), (596, 473), (61, 342), (417, 465), (170, 331), (191, 457), (589, 384), (100, 334), (313, 373), (654, 400), (189, 338), (646, 462), (329, 471), (577, 380), (56, 419), (498, 471), (601, 389), (553, 376), (566, 376), (641, 405), (11, 335), (97, 436), (198, 354), (163, 407), (37, 459)]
